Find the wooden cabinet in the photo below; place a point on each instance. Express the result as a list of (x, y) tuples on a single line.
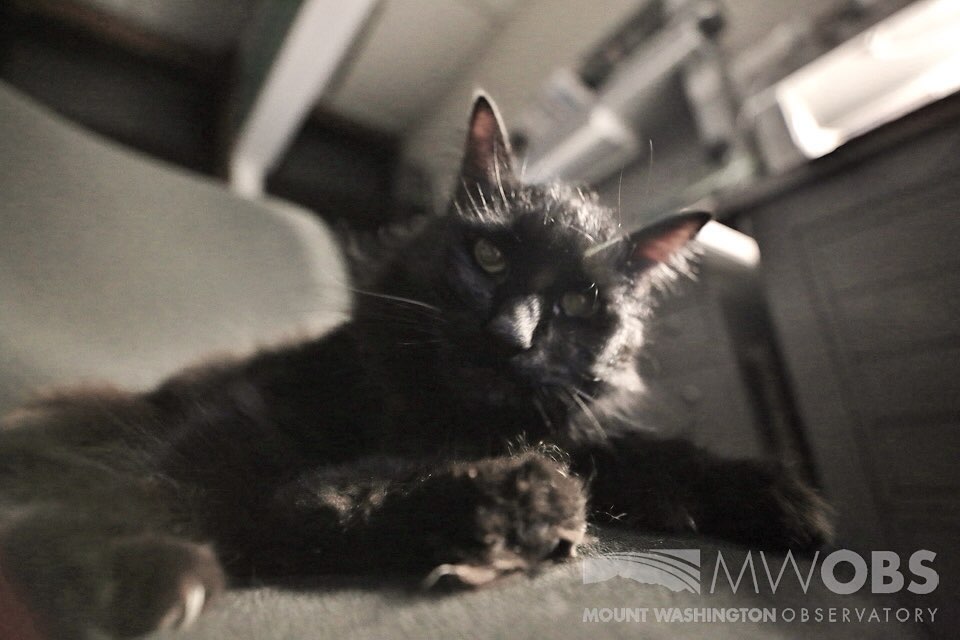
[(861, 270)]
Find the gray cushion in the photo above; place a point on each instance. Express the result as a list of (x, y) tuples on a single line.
[(116, 267)]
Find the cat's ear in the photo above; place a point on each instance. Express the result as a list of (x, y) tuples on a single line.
[(487, 159), (659, 242)]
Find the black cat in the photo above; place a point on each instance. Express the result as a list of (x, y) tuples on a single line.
[(445, 433)]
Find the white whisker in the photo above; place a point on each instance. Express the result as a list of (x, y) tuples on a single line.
[(587, 412), (496, 169), (483, 198), (548, 423), (584, 233), (476, 207), (386, 296)]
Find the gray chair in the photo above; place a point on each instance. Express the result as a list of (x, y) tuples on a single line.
[(119, 268), (115, 267)]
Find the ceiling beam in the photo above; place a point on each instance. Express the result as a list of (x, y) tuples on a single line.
[(318, 39)]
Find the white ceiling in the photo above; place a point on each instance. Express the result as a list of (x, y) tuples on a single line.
[(409, 56), (416, 66), (540, 36), (415, 52)]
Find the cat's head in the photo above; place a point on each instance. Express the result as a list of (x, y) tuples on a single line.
[(532, 294)]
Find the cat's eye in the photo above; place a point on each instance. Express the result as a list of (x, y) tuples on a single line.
[(580, 304), (489, 257)]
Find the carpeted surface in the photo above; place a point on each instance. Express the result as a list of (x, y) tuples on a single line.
[(554, 604)]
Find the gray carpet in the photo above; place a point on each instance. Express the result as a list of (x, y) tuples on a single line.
[(550, 605)]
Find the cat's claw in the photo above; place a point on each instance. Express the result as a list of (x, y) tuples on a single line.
[(186, 612), (805, 517), (567, 545), (783, 512), (472, 575), (164, 583)]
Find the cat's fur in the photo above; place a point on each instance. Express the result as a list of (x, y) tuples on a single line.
[(458, 428)]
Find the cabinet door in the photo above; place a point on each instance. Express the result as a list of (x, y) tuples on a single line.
[(862, 272)]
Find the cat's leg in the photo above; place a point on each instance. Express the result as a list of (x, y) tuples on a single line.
[(85, 528), (674, 485), (463, 523), (92, 575)]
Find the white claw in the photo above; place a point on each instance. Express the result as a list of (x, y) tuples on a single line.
[(193, 602)]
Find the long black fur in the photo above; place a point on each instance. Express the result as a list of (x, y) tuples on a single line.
[(455, 430)]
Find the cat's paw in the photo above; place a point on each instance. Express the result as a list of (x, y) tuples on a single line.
[(76, 585), (506, 515), (803, 517), (160, 583), (782, 512)]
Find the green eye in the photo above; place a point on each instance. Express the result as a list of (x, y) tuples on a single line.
[(578, 304), (489, 257)]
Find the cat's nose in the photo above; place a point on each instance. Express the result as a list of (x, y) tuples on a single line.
[(517, 322)]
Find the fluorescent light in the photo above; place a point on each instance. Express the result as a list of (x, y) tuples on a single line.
[(903, 63)]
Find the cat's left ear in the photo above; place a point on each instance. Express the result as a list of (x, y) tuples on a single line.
[(661, 241), (487, 159)]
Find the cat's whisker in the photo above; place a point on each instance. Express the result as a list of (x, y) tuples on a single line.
[(583, 394), (646, 189), (585, 234), (399, 299), (547, 422), (400, 313), (601, 432), (496, 170), (483, 198), (406, 327), (473, 202), (422, 325)]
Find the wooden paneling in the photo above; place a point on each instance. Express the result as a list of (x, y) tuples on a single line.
[(904, 315), (922, 460), (862, 273), (889, 234)]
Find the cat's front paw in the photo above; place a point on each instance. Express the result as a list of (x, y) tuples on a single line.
[(778, 511), (505, 515), (77, 585), (803, 517), (160, 583)]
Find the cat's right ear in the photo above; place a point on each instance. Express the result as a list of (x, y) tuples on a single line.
[(659, 242), (487, 166)]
